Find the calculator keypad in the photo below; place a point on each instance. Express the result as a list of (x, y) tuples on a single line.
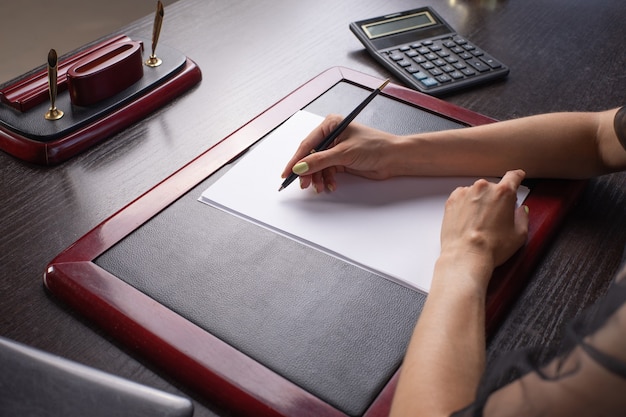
[(436, 62)]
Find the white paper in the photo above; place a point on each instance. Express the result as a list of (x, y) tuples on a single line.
[(389, 227)]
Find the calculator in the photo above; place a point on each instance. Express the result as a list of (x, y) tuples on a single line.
[(423, 51)]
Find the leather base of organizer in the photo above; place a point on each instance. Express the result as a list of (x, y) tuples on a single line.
[(27, 135)]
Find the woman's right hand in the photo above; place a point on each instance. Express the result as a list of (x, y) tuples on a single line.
[(359, 150)]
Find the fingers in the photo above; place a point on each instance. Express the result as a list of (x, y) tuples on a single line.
[(513, 179), (521, 220), (483, 219), (310, 142)]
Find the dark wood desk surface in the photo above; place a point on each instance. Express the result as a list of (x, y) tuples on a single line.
[(563, 55)]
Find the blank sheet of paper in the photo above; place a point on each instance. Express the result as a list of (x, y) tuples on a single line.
[(388, 227)]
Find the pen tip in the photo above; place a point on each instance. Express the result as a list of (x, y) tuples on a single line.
[(281, 188)]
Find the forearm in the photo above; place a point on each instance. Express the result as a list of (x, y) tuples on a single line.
[(445, 358), (557, 145)]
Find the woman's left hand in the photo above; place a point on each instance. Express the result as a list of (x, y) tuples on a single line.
[(481, 222)]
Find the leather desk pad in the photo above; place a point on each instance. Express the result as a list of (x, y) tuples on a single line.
[(334, 329)]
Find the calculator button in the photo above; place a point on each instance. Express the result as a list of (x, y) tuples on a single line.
[(430, 56), (491, 61), (429, 82), (459, 65), (459, 41), (439, 62), (419, 59), (469, 47), (477, 52), (420, 75), (404, 48), (427, 43), (444, 78), (423, 50), (411, 53), (412, 69), (457, 50), (479, 66), (451, 59), (468, 72), (449, 43), (416, 45), (456, 75), (404, 63), (428, 65), (436, 71), (466, 55), (435, 48), (396, 56), (447, 68)]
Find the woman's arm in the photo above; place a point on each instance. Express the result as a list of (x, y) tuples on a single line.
[(558, 145), (444, 362)]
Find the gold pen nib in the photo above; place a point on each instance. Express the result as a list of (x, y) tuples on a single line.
[(383, 85), (153, 61), (53, 113)]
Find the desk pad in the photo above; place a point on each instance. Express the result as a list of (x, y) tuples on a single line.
[(256, 322)]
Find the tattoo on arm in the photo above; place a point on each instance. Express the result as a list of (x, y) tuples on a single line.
[(619, 124)]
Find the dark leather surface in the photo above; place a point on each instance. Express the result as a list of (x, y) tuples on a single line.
[(336, 330), (37, 384), (33, 125), (383, 112)]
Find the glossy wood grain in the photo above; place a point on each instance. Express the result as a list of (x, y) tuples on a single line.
[(563, 55)]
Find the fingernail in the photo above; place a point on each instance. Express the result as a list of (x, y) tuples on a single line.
[(526, 209), (330, 187), (300, 168)]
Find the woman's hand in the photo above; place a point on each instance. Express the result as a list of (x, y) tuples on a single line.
[(482, 226), (359, 150)]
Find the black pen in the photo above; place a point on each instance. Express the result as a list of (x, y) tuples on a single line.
[(337, 131)]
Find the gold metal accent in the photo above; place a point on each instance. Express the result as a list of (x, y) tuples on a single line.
[(153, 61), (53, 113)]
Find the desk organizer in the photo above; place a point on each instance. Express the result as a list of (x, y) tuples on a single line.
[(101, 89)]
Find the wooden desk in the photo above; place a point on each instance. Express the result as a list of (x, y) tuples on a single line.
[(562, 57)]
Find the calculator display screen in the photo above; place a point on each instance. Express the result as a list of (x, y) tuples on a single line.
[(398, 24)]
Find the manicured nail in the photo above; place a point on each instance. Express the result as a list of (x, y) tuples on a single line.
[(526, 209), (300, 168), (330, 187)]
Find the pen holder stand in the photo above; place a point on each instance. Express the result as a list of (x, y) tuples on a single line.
[(102, 90)]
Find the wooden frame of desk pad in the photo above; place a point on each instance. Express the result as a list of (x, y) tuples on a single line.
[(203, 362)]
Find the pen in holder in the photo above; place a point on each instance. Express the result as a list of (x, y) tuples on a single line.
[(154, 61), (53, 113)]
